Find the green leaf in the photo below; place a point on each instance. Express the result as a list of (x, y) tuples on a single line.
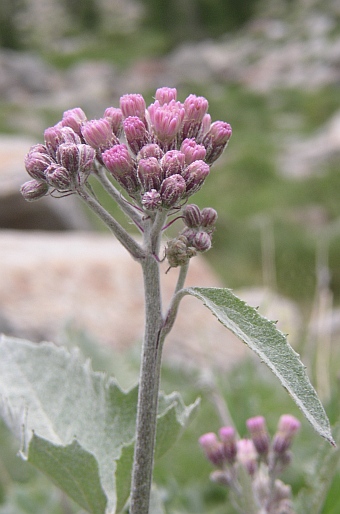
[(262, 336), (75, 422)]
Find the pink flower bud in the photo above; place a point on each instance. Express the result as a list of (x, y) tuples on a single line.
[(135, 133), (122, 167), (228, 438), (209, 217), (288, 426), (259, 434), (216, 140), (202, 241), (33, 190), (53, 138), (59, 177), (195, 109), (172, 190), (172, 163), (133, 105), (192, 151), (246, 455), (166, 120), (150, 150), (74, 118), (68, 157), (149, 174), (164, 95), (195, 175), (151, 200), (212, 448), (57, 135), (115, 117), (192, 215), (69, 136), (99, 134), (36, 162)]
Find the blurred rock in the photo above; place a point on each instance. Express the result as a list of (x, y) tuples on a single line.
[(88, 281), (45, 214), (305, 157)]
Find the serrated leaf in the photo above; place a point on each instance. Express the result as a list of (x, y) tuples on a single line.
[(262, 336), (75, 421)]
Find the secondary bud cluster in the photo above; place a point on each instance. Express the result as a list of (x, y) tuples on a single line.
[(263, 459), (194, 238), (160, 154)]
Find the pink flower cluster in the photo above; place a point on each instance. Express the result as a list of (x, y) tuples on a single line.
[(263, 459), (168, 150)]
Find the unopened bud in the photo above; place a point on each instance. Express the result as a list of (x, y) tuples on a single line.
[(33, 190), (288, 426), (195, 108), (228, 438), (135, 133), (166, 120), (53, 138), (192, 215), (202, 241), (164, 95), (115, 117), (151, 200), (172, 190), (69, 136), (150, 150), (190, 234), (36, 162), (178, 252), (246, 455), (59, 177), (133, 105), (68, 157), (122, 167), (74, 118), (195, 175), (204, 129), (99, 134), (149, 174), (259, 434), (192, 151), (216, 140), (212, 448), (172, 163), (209, 217)]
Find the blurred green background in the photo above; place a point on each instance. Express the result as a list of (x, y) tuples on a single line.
[(272, 70)]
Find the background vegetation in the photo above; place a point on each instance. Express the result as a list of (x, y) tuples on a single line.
[(266, 232)]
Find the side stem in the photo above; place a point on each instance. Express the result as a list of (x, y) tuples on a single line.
[(123, 237)]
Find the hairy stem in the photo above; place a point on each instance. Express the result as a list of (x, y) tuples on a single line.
[(148, 385), (123, 237), (177, 297), (128, 209)]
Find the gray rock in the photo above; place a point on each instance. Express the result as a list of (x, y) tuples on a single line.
[(89, 281)]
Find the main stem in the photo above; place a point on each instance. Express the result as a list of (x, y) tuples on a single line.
[(149, 379)]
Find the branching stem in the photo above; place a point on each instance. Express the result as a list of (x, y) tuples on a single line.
[(123, 237)]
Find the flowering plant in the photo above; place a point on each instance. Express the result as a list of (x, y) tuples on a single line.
[(79, 427)]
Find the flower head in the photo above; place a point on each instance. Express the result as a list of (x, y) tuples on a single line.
[(74, 118), (166, 120), (133, 105)]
